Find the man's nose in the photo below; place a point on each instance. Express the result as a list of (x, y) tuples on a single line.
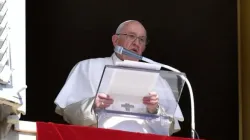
[(136, 42)]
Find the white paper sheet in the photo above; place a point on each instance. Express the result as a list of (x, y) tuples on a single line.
[(130, 86), (135, 64)]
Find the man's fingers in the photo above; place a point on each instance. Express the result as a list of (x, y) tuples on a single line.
[(152, 102), (104, 96), (149, 98), (154, 98), (103, 103), (106, 101)]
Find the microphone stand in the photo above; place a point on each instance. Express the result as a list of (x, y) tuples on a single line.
[(190, 92), (122, 50)]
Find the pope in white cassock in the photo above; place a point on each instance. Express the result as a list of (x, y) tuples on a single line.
[(76, 98)]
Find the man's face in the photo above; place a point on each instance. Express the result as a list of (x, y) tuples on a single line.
[(132, 37)]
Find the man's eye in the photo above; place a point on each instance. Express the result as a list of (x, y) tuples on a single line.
[(142, 39), (131, 36)]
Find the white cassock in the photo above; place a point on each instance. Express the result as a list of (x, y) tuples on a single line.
[(75, 100)]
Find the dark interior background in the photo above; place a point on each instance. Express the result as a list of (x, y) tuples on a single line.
[(196, 37)]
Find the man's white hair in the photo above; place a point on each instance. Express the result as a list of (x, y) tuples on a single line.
[(120, 27)]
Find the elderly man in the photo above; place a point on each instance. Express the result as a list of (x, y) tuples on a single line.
[(77, 96)]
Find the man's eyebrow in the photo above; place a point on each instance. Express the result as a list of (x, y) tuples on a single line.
[(131, 32)]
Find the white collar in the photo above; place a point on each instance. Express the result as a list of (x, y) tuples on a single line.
[(115, 58)]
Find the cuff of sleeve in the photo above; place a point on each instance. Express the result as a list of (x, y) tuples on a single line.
[(156, 111)]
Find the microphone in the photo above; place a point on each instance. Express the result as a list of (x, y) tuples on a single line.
[(121, 50)]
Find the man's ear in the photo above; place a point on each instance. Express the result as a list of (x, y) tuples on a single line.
[(114, 40)]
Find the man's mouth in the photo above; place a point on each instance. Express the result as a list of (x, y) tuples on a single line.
[(134, 50)]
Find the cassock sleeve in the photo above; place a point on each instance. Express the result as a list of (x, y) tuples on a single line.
[(75, 100), (80, 113)]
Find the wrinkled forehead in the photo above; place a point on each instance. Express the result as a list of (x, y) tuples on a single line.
[(134, 28)]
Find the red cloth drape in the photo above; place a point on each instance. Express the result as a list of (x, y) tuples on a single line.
[(52, 131)]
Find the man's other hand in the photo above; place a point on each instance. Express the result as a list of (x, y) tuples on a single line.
[(151, 101), (103, 100)]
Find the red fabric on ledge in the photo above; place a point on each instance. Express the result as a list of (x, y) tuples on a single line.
[(52, 131)]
